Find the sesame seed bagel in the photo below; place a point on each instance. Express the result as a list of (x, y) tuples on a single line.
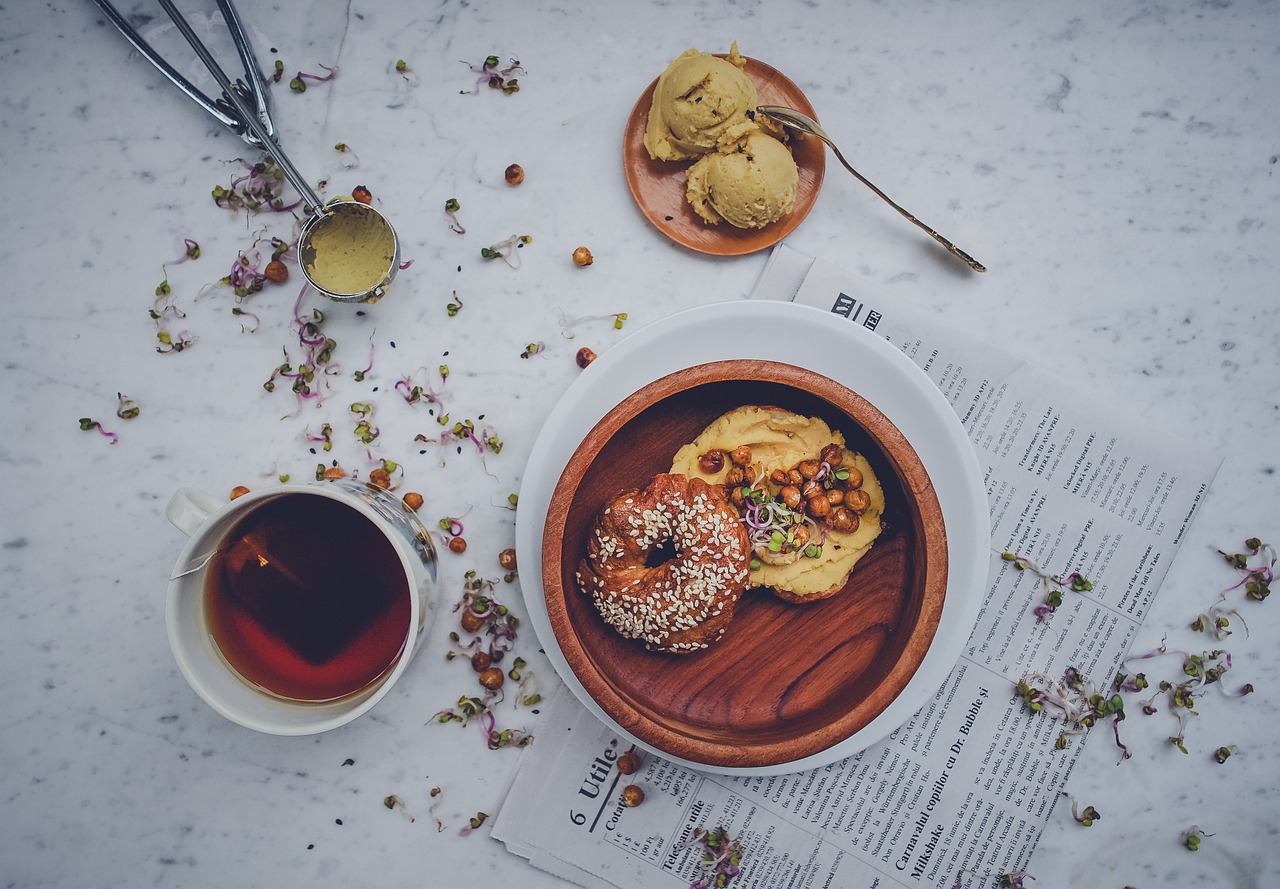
[(684, 603)]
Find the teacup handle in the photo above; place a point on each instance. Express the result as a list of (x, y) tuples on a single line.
[(188, 509)]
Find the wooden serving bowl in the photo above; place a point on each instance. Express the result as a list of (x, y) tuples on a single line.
[(787, 680)]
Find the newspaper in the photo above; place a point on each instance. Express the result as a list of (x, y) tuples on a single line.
[(967, 784)]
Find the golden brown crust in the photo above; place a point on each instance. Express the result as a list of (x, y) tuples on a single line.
[(685, 603)]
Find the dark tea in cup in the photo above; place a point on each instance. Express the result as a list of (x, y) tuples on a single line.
[(307, 599)]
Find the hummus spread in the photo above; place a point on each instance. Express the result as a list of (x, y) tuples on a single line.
[(780, 440)]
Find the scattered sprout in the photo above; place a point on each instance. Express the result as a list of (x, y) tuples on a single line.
[(506, 250), (299, 82), (410, 76), (1222, 754), (90, 425), (1054, 585), (533, 349), (1084, 818), (451, 208), (455, 306), (1256, 566), (257, 190), (566, 325), (127, 408), (494, 77), (397, 804), (1191, 837), (721, 858), (350, 160)]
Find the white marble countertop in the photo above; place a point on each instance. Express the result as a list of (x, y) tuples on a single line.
[(1114, 164)]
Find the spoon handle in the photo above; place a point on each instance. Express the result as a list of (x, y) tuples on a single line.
[(956, 251)]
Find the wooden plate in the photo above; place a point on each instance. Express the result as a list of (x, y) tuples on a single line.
[(786, 681), (659, 186)]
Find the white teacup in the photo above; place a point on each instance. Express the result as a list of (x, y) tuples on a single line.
[(208, 523)]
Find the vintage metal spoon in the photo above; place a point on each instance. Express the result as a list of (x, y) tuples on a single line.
[(806, 124)]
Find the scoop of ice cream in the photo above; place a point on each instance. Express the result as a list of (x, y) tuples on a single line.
[(750, 185), (700, 104)]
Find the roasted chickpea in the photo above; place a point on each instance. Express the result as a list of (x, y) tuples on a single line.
[(736, 496), (794, 477), (808, 468), (736, 475), (855, 478), (380, 478), (582, 257), (238, 491), (800, 536), (584, 357), (819, 507), (842, 518), (413, 500), (711, 462), (480, 661), (335, 472), (741, 455), (276, 271), (507, 559), (779, 477), (629, 763), (858, 501), (832, 454), (492, 678), (457, 544), (632, 795), (471, 622), (835, 496), (513, 175), (790, 496)]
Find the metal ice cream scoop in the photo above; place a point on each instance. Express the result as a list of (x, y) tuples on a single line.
[(806, 124)]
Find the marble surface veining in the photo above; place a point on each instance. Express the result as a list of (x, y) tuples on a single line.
[(1115, 164)]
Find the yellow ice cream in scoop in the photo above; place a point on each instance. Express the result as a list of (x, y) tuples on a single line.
[(700, 104), (748, 185)]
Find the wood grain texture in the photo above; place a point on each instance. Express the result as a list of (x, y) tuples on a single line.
[(787, 680), (659, 186)]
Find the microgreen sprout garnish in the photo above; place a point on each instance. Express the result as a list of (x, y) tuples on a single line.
[(494, 77), (238, 312), (359, 375), (1222, 754), (1084, 818), (90, 425), (365, 432), (506, 250), (1256, 566), (170, 341), (126, 407), (1191, 837), (451, 208), (721, 859), (533, 349), (410, 76), (1075, 701), (299, 82), (473, 823), (1014, 880), (491, 632), (454, 306), (259, 189), (1206, 668), (395, 803), (567, 325), (435, 802), (350, 160), (413, 392), (317, 354), (1054, 585)]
